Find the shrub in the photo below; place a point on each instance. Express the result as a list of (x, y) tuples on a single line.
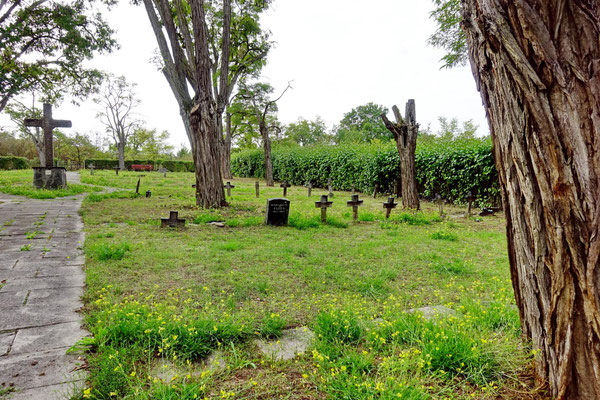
[(443, 235), (10, 162), (448, 168), (338, 326), (170, 165)]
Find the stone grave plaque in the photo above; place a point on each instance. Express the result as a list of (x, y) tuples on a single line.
[(278, 211)]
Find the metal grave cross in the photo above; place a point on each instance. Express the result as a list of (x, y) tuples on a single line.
[(470, 199), (229, 186), (309, 186), (324, 204), (48, 124), (173, 221), (354, 203), (389, 205), (285, 185)]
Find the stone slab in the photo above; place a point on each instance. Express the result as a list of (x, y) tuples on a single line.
[(38, 315), (48, 282), (47, 338), (291, 343), (6, 341), (69, 297), (10, 300), (53, 392)]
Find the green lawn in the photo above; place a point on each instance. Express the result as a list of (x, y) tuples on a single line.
[(167, 297), (20, 182)]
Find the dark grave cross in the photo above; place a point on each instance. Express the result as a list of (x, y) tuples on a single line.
[(137, 188), (440, 202), (470, 199), (257, 188), (389, 205), (354, 203), (324, 204), (117, 170), (330, 188), (285, 185), (376, 190), (309, 186), (148, 194), (47, 123), (173, 221), (229, 186)]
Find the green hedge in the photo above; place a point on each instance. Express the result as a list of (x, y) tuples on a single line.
[(10, 162), (450, 168), (172, 166)]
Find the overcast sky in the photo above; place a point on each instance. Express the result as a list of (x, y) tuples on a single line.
[(338, 53)]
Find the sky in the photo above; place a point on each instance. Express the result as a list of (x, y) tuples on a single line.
[(338, 54)]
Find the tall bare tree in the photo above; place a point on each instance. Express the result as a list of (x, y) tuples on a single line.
[(405, 131), (204, 54), (537, 66), (259, 102), (117, 101), (18, 111)]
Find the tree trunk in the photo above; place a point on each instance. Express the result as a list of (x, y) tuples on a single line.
[(226, 150), (41, 151), (537, 66), (121, 154), (267, 146), (405, 133)]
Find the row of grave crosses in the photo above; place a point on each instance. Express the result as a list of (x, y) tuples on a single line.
[(354, 202)]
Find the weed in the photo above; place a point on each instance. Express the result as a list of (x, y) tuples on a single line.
[(9, 223), (454, 267), (338, 326), (26, 247), (106, 251), (444, 235), (272, 326)]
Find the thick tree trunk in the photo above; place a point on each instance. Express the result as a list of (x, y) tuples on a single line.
[(121, 155), (267, 147), (41, 151), (405, 133), (537, 66)]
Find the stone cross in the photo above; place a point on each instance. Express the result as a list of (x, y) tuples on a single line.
[(91, 169), (324, 204), (48, 124), (470, 198), (389, 205), (257, 187), (309, 186), (354, 203), (330, 187), (229, 186), (440, 202), (285, 185), (173, 221)]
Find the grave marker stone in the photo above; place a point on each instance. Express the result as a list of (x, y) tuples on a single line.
[(323, 204), (376, 190), (309, 186), (173, 221), (389, 205), (285, 185), (229, 186), (354, 203), (257, 188), (330, 188), (148, 194), (91, 169), (278, 211)]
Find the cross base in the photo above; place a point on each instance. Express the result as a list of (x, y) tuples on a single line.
[(49, 178)]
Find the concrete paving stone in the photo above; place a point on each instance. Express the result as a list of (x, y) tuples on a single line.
[(35, 370), (6, 264), (11, 300), (29, 316), (6, 341), (13, 274), (64, 296), (77, 260), (66, 270), (37, 264), (47, 282), (47, 338), (61, 391)]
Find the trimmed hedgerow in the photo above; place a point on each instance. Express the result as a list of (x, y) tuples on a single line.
[(170, 165), (450, 168), (10, 162)]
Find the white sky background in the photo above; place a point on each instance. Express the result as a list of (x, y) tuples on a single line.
[(338, 53)]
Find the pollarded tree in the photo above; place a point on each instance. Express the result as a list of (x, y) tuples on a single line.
[(117, 101), (537, 66), (43, 46)]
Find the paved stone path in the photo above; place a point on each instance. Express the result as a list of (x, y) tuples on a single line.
[(40, 291)]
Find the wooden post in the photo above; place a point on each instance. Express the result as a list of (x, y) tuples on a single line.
[(376, 190), (285, 185), (323, 204), (229, 186), (470, 198), (330, 187), (354, 203), (257, 188), (389, 205), (309, 186)]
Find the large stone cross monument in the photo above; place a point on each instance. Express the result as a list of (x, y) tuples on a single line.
[(48, 176)]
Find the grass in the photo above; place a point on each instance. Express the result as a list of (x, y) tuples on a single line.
[(20, 183), (180, 295)]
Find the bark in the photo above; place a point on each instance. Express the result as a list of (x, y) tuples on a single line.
[(264, 131), (405, 134), (203, 122), (537, 66), (226, 149), (121, 155)]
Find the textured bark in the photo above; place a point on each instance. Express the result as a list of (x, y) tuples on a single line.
[(405, 133), (264, 131), (203, 122), (537, 66), (121, 155), (226, 149)]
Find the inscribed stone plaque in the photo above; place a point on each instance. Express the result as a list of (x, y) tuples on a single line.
[(278, 211)]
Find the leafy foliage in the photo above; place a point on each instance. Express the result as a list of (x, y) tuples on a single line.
[(363, 124), (43, 46), (305, 132), (13, 163), (449, 35), (170, 165), (450, 168)]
